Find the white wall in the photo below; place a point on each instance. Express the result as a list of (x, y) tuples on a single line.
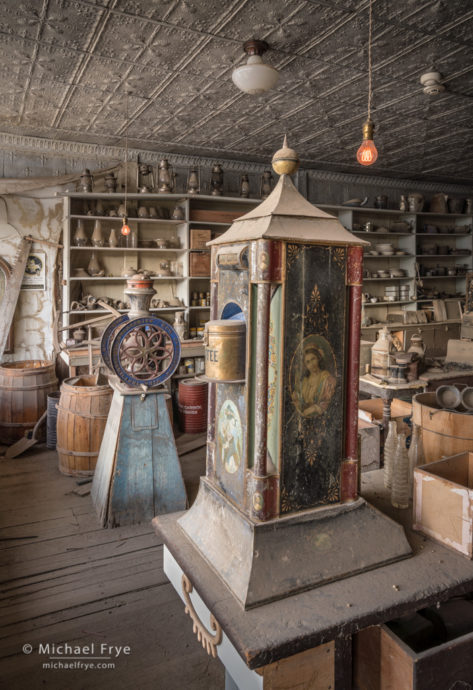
[(40, 217)]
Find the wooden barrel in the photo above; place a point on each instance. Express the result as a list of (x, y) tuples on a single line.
[(192, 399), (82, 415), (24, 387), (444, 432)]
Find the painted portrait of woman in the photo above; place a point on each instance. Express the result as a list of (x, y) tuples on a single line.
[(313, 380)]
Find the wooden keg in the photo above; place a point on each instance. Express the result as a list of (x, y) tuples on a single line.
[(24, 387), (192, 399), (444, 432), (82, 415)]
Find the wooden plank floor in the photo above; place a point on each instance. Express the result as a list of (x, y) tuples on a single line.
[(65, 580)]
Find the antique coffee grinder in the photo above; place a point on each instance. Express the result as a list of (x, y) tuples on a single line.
[(138, 474), (278, 510)]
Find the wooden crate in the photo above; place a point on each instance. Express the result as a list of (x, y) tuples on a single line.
[(372, 411), (443, 501), (211, 216), (199, 238), (382, 661), (199, 264)]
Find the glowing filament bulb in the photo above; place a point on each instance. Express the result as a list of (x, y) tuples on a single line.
[(367, 153), (125, 227)]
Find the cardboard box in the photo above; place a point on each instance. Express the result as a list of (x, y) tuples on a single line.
[(199, 238), (199, 264), (369, 434), (443, 501)]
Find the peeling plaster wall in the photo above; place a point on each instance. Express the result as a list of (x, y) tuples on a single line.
[(40, 217)]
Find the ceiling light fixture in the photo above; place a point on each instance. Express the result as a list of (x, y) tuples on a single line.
[(367, 153), (125, 227), (431, 81), (255, 76)]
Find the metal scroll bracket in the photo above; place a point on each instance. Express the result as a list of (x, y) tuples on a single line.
[(209, 642)]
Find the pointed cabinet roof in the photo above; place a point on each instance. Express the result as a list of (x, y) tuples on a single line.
[(287, 215)]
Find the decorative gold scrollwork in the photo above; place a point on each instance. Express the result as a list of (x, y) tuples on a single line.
[(209, 642)]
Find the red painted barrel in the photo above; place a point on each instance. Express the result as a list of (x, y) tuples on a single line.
[(192, 399)]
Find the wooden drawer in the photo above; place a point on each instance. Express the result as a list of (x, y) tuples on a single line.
[(199, 264), (199, 238), (210, 216), (382, 661)]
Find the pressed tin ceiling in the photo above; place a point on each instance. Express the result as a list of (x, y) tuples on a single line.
[(65, 66)]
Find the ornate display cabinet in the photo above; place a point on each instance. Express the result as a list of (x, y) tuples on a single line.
[(278, 510)]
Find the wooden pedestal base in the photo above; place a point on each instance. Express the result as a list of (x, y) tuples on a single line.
[(264, 561), (138, 474)]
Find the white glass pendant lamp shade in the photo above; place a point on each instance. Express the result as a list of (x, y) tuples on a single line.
[(255, 76)]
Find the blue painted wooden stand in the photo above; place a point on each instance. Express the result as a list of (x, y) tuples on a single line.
[(138, 474)]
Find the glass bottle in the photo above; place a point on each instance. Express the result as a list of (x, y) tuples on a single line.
[(98, 239), (400, 481), (94, 268), (113, 239), (80, 237), (390, 445), (415, 454)]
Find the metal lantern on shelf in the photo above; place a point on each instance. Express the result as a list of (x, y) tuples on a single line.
[(193, 181), (278, 510), (145, 178), (166, 177)]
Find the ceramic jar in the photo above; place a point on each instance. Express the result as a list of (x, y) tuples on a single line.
[(381, 201), (179, 325), (143, 212), (456, 205), (417, 345), (438, 203), (415, 202)]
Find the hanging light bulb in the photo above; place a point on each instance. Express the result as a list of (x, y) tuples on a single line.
[(367, 154), (125, 227)]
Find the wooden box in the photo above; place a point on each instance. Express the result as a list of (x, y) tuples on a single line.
[(199, 264), (382, 661), (199, 238), (443, 500), (211, 216), (372, 411)]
